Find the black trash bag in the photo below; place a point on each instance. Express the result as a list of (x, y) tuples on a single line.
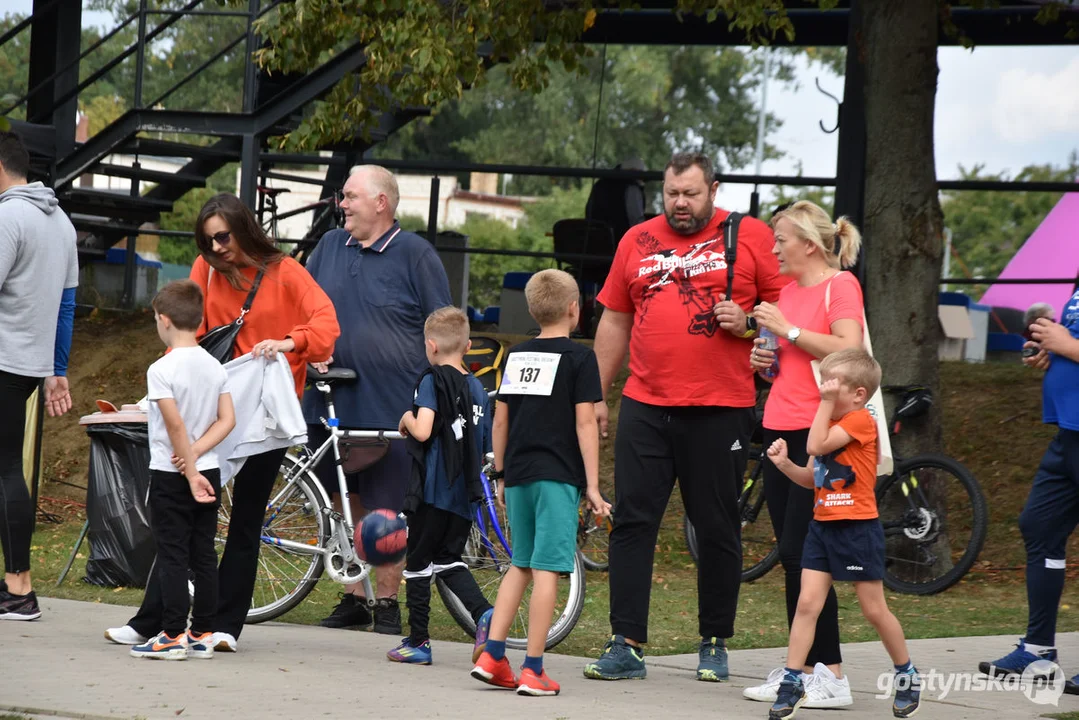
[(122, 546)]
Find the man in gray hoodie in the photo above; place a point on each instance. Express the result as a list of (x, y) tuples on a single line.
[(39, 271)]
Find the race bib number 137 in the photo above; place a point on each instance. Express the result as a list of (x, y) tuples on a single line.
[(529, 373)]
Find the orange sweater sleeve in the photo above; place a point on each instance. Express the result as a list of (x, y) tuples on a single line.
[(318, 329)]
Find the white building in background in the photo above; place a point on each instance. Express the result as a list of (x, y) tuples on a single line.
[(455, 205)]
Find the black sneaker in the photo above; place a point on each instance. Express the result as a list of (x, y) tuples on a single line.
[(387, 616), (349, 614), (19, 607)]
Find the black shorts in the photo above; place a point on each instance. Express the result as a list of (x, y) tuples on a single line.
[(382, 485), (849, 550)]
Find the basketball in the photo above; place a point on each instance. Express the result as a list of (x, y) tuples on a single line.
[(381, 537)]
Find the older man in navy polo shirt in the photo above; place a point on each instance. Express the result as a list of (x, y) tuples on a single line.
[(384, 282)]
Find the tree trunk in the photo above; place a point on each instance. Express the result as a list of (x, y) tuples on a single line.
[(903, 219)]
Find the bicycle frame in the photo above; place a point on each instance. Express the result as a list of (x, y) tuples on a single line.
[(488, 504), (342, 525)]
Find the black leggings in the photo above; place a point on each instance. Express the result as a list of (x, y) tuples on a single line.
[(791, 508), (16, 510)]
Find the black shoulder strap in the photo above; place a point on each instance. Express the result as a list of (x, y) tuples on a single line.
[(730, 247), (251, 295)]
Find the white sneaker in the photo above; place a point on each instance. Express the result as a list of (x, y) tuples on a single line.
[(125, 635), (825, 690), (767, 691), (223, 642)]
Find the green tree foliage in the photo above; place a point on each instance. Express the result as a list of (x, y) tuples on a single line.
[(430, 51), (989, 227), (650, 102)]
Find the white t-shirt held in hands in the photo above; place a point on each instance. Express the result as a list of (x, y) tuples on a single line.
[(195, 380)]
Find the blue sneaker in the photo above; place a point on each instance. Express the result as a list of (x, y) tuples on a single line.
[(162, 647), (1015, 662), (908, 693), (483, 629), (619, 661), (789, 697), (406, 652), (712, 666), (1071, 686)]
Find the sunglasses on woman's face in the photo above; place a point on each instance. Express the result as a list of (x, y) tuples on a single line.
[(222, 238)]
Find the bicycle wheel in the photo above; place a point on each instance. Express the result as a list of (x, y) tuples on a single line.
[(488, 561), (935, 522), (295, 512), (760, 551), (594, 537)]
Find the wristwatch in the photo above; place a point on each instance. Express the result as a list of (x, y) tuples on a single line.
[(793, 334), (751, 327)]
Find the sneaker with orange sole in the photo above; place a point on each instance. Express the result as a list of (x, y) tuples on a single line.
[(494, 672), (536, 685)]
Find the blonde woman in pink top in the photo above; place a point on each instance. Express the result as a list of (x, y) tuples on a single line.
[(818, 313)]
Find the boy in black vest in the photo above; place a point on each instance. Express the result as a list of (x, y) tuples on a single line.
[(449, 428)]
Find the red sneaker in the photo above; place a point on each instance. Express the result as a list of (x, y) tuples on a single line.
[(536, 685), (494, 672)]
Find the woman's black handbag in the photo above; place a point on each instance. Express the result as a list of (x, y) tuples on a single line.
[(220, 342)]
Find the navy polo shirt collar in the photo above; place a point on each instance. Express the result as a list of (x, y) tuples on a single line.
[(382, 243)]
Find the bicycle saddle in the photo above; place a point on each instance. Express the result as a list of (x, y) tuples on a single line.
[(333, 374), (915, 402), (271, 192)]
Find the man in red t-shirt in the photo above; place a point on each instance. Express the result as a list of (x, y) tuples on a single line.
[(687, 407)]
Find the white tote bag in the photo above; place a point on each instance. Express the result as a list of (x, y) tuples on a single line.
[(875, 406)]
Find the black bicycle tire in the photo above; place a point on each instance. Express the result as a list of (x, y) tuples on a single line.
[(979, 530), (255, 616), (464, 620)]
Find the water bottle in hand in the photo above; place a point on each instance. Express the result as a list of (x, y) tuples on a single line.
[(771, 342)]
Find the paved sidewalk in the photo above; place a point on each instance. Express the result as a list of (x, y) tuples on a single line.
[(61, 666)]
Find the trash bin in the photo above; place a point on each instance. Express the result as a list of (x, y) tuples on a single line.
[(122, 546)]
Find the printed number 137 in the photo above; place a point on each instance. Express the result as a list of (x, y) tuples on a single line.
[(530, 374)]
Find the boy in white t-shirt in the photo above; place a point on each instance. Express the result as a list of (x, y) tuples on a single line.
[(190, 413)]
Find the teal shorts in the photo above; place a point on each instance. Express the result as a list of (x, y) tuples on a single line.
[(543, 524)]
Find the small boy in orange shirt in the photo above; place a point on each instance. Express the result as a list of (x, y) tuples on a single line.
[(845, 540)]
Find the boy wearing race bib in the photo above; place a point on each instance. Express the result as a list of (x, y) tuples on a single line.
[(845, 540), (546, 446)]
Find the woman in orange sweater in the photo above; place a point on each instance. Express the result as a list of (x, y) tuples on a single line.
[(289, 314)]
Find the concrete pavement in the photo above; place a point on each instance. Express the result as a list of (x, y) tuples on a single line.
[(60, 666)]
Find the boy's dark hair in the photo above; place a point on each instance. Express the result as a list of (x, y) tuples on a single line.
[(680, 162), (181, 302), (13, 155)]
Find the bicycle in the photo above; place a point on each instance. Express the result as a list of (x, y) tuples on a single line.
[(327, 215), (303, 536), (929, 546)]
